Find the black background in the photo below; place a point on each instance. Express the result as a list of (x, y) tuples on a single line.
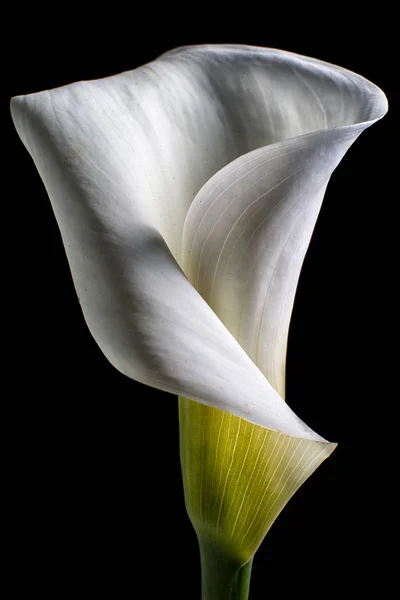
[(96, 502)]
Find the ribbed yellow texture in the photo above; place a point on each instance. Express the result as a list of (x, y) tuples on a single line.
[(238, 476)]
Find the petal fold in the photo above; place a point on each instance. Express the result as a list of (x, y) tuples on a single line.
[(246, 235)]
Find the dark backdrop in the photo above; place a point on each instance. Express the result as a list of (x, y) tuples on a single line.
[(96, 507)]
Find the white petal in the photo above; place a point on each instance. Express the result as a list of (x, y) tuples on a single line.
[(246, 236), (122, 158)]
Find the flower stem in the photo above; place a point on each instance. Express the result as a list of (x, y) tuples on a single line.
[(222, 578)]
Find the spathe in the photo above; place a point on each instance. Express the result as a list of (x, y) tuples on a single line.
[(123, 160)]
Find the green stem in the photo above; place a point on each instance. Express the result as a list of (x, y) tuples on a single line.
[(222, 578)]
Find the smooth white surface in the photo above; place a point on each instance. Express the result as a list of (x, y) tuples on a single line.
[(123, 159)]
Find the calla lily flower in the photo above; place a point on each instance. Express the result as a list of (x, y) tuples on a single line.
[(186, 192)]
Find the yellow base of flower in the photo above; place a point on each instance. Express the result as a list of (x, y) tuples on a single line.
[(238, 476)]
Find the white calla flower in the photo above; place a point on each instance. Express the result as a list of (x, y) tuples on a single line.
[(186, 192)]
